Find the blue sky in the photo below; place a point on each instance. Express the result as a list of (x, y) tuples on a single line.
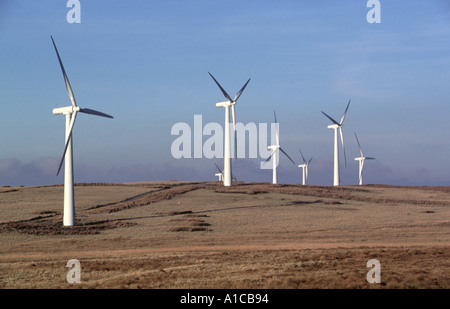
[(147, 63)]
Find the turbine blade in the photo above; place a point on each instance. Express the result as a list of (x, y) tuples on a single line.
[(332, 120), (68, 139), (62, 159), (361, 171), (288, 156), (310, 160), (233, 114), (94, 112), (277, 136), (343, 116), (304, 161), (370, 158), (218, 168), (342, 140), (240, 91), (270, 156), (223, 90), (66, 80), (360, 149)]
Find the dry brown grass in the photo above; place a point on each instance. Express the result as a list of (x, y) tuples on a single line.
[(202, 235), (337, 268)]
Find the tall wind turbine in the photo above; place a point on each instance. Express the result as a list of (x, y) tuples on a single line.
[(361, 160), (304, 167), (71, 114), (227, 177), (274, 154), (337, 126)]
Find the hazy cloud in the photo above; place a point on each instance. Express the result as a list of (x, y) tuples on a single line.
[(14, 172)]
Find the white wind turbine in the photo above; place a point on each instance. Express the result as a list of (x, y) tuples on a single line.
[(274, 155), (361, 160), (219, 174), (337, 126), (227, 173), (71, 113), (304, 167)]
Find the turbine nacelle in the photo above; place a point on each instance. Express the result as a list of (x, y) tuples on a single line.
[(225, 104), (273, 147), (334, 126), (66, 110)]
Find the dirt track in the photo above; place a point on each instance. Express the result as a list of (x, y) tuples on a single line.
[(202, 235)]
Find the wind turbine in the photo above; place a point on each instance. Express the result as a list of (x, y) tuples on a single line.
[(361, 160), (71, 114), (337, 126), (274, 154), (227, 177), (219, 174), (304, 167)]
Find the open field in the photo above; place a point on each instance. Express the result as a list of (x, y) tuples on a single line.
[(202, 235)]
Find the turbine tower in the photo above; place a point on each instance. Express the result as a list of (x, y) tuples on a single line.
[(361, 160), (71, 113), (274, 154), (304, 167), (337, 126), (227, 177)]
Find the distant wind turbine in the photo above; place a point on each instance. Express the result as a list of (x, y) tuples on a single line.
[(219, 174), (71, 113), (304, 167), (361, 160), (274, 154), (227, 174), (337, 126)]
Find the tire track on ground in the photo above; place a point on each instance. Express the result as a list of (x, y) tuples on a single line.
[(146, 198)]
